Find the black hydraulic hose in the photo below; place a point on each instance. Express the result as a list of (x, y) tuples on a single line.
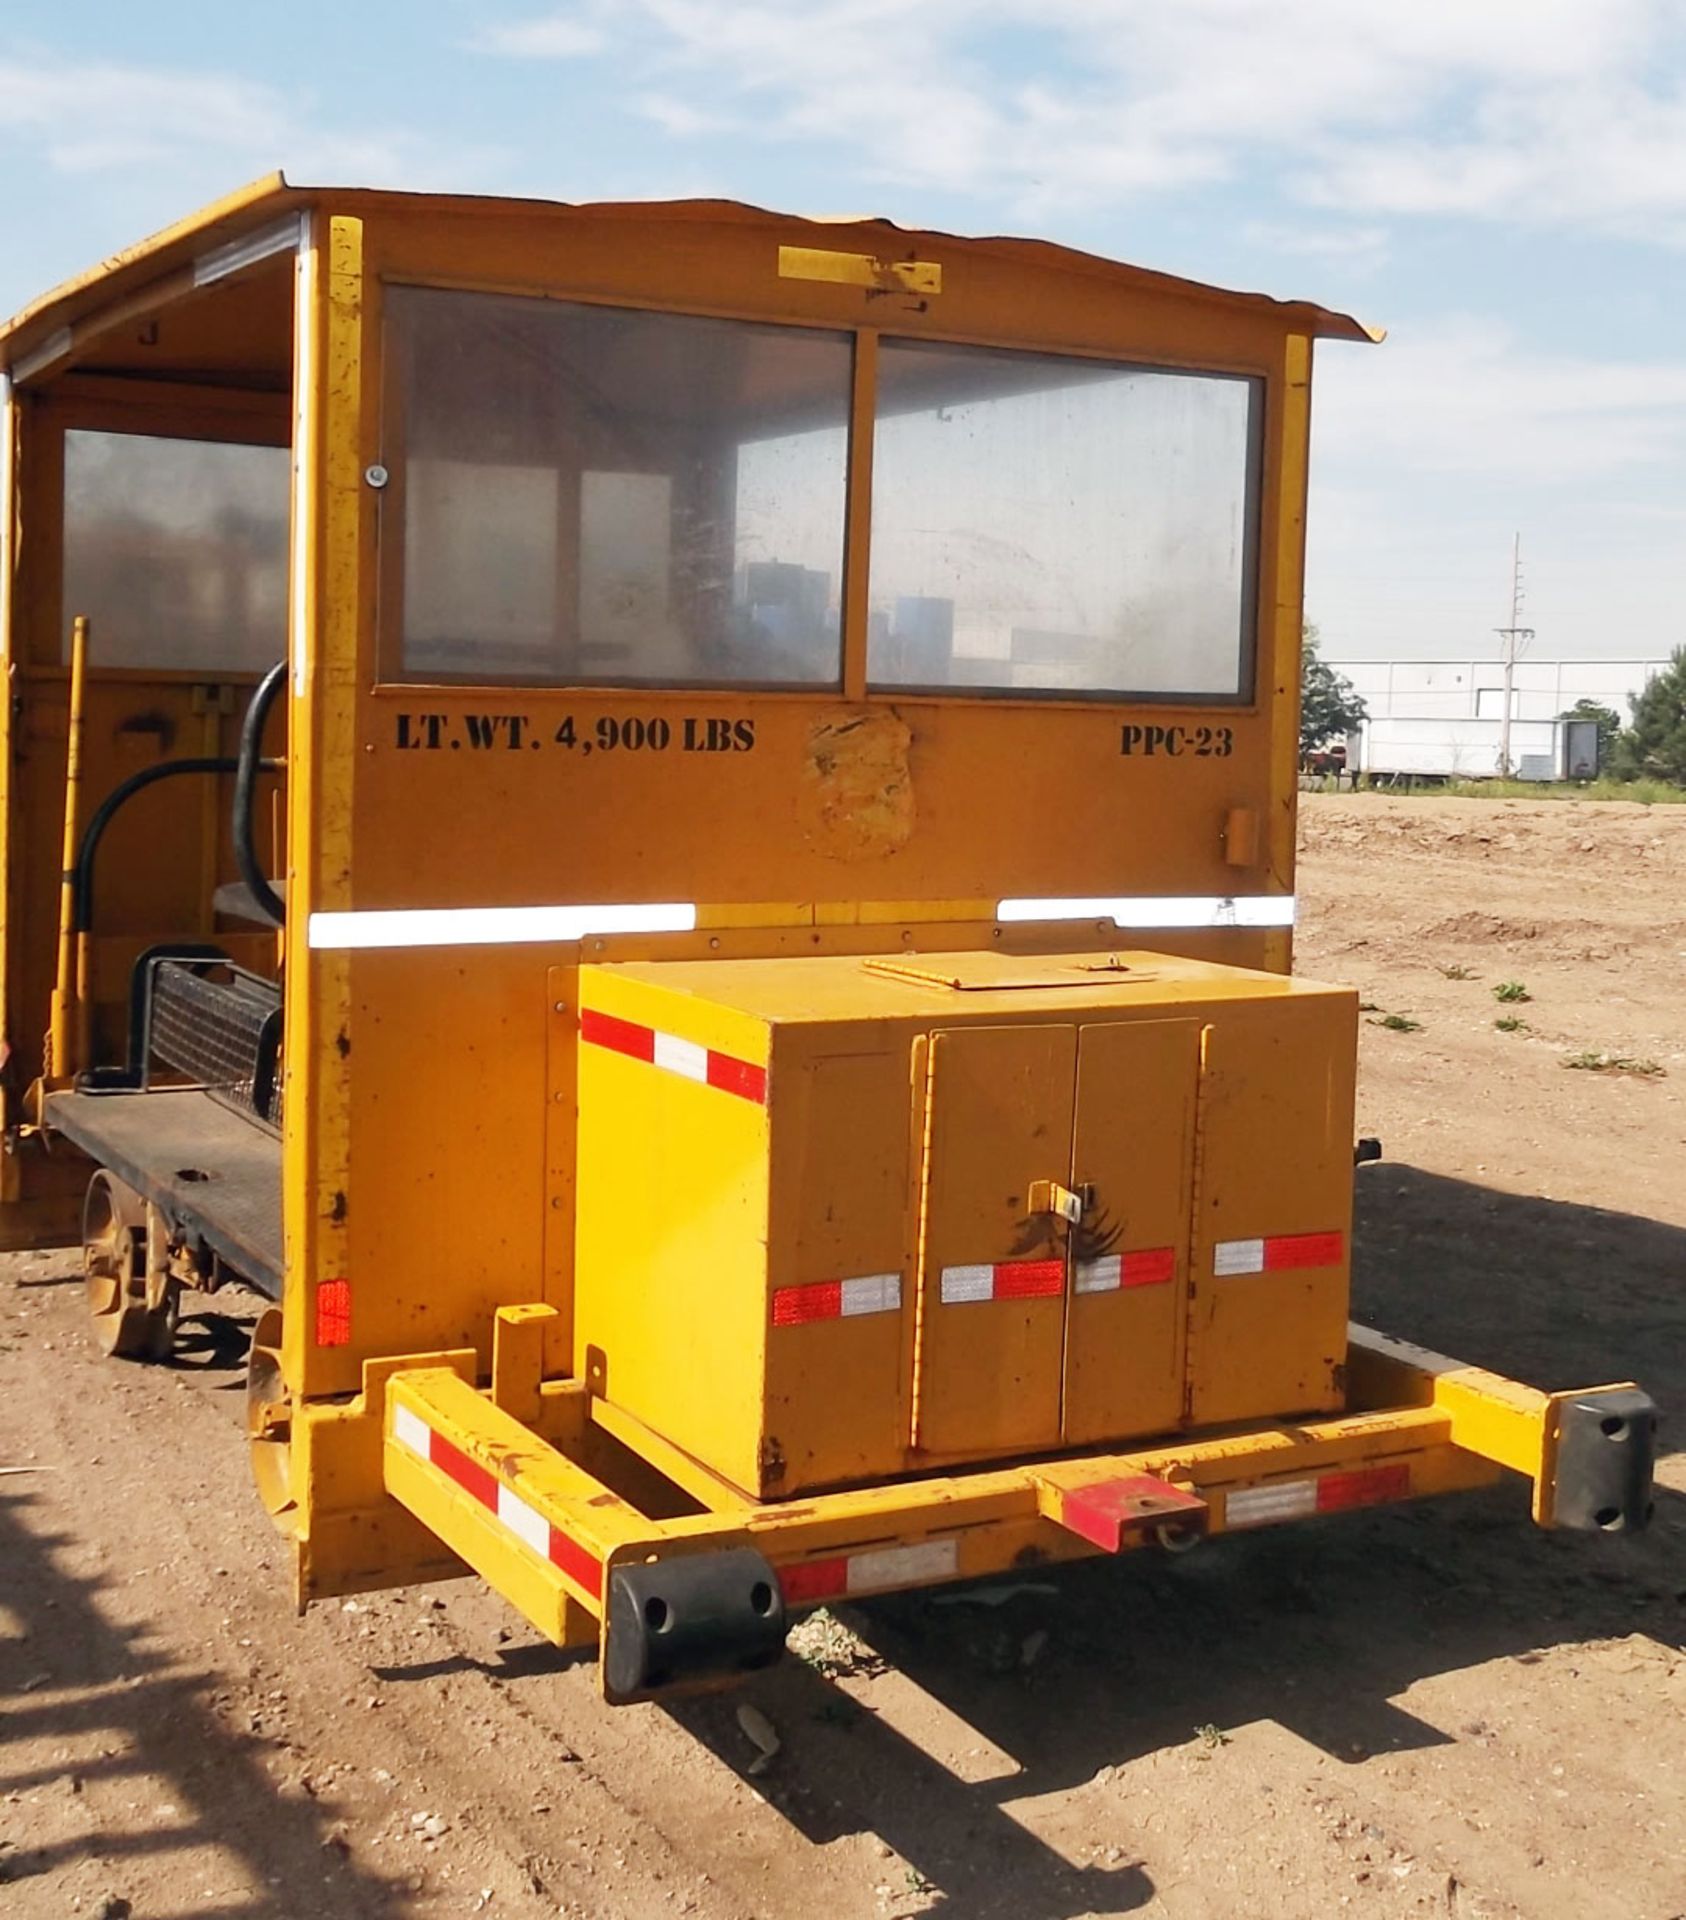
[(103, 814), (252, 763)]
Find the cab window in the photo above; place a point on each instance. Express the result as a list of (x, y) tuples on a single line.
[(593, 495), (1048, 524)]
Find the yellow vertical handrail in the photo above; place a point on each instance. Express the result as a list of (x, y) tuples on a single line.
[(68, 1031)]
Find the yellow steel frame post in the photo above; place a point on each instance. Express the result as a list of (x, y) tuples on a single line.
[(67, 1032), (1282, 635), (327, 611)]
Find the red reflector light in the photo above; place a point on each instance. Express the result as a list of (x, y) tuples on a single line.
[(1366, 1487), (333, 1313)]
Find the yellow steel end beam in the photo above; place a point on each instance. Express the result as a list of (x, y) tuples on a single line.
[(536, 1526), (548, 1534), (1494, 1418)]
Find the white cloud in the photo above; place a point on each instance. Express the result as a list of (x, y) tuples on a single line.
[(106, 117), (1549, 111), (1469, 397), (1360, 248), (680, 118), (559, 36)]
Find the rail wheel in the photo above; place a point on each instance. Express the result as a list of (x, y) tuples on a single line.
[(269, 1415), (132, 1317)]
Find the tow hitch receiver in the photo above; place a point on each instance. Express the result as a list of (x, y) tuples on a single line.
[(1114, 1514), (690, 1619)]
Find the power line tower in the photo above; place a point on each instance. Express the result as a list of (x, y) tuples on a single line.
[(1514, 639)]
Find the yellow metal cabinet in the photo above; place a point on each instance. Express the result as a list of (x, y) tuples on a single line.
[(841, 1218)]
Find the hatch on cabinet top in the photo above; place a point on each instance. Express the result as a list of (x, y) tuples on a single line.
[(994, 972)]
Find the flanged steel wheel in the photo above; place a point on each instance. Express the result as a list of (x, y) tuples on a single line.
[(114, 1268), (269, 1415)]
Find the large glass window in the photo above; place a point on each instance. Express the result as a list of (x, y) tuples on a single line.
[(591, 494), (176, 550), (1043, 523)]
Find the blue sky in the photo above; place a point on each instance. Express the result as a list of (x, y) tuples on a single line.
[(1500, 183)]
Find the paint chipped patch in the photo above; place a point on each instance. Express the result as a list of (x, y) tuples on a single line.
[(855, 800)]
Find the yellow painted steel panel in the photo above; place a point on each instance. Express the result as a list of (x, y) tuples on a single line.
[(671, 1315), (1132, 1159), (993, 1280)]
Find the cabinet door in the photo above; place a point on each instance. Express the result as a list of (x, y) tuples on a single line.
[(1268, 1329), (1132, 1162), (993, 1276)]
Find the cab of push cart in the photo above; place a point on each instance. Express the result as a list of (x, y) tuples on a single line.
[(669, 583)]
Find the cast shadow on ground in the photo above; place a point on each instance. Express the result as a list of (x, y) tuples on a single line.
[(80, 1686), (1318, 1627)]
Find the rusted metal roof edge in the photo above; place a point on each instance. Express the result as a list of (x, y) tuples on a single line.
[(264, 200)]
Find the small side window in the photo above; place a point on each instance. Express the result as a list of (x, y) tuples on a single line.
[(176, 550)]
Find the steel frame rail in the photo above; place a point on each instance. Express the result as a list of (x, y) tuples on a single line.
[(476, 1468)]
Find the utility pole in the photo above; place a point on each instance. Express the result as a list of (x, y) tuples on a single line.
[(1515, 638)]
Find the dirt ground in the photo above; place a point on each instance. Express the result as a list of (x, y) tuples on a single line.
[(1433, 1710)]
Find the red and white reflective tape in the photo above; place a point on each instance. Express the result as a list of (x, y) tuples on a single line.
[(691, 1061), (1327, 1493), (1278, 1252), (1005, 1280), (837, 1299), (525, 1522), (1152, 1267), (846, 1574)]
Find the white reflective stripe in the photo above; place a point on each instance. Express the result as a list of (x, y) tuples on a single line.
[(1100, 1276), (520, 1519), (281, 236), (304, 448), (681, 1056), (1162, 912), (411, 1431), (968, 1283), (1257, 1506), (903, 1566), (1238, 1256), (493, 926), (871, 1293)]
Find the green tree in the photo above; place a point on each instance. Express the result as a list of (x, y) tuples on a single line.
[(1330, 709), (1609, 725), (1654, 747)]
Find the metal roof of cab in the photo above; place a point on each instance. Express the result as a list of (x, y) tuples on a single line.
[(273, 197)]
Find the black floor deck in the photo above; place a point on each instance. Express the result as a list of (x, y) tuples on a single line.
[(197, 1159)]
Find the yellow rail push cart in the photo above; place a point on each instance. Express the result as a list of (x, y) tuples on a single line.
[(675, 828)]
